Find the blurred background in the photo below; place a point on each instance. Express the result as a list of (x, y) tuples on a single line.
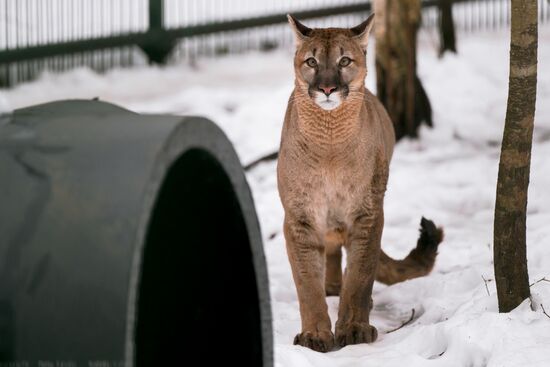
[(57, 35), (231, 61)]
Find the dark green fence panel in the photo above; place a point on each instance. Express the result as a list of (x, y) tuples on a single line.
[(57, 35)]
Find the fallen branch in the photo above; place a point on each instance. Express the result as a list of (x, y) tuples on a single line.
[(540, 280), (544, 311), (403, 324), (486, 287), (265, 158)]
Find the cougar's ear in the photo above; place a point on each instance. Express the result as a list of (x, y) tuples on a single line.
[(301, 32), (361, 32)]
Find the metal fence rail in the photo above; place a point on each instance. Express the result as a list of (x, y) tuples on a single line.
[(37, 35)]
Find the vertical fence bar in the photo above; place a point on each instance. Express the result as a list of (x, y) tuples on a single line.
[(6, 29), (156, 14), (157, 51)]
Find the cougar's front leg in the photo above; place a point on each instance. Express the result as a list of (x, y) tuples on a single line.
[(306, 255), (363, 250)]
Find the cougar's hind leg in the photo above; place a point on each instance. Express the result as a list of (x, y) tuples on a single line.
[(333, 275), (353, 325)]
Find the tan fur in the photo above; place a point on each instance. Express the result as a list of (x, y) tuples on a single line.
[(332, 175)]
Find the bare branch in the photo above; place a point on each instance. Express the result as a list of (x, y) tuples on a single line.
[(403, 324), (266, 158), (544, 311), (486, 287), (540, 280)]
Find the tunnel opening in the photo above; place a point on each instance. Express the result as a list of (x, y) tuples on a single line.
[(197, 298)]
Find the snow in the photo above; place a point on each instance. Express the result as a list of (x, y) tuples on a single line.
[(449, 175), (4, 107)]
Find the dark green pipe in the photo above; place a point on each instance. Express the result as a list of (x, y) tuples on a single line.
[(127, 239)]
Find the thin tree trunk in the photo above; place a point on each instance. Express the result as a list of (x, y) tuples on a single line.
[(398, 86), (510, 258), (447, 39)]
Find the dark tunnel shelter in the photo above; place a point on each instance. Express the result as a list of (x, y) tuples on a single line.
[(201, 296), (127, 240)]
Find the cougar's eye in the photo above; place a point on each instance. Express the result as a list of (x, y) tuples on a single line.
[(344, 61), (311, 62)]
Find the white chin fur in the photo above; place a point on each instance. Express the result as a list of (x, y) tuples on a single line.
[(328, 103)]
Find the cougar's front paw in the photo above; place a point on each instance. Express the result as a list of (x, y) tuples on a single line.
[(319, 341), (355, 333)]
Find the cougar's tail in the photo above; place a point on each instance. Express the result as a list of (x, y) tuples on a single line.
[(420, 260)]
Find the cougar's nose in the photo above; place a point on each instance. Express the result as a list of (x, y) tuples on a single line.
[(327, 89)]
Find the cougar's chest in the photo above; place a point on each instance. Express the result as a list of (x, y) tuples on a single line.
[(337, 197)]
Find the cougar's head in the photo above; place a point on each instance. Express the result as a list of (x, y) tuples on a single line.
[(330, 63)]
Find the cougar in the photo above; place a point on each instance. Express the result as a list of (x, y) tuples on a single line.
[(336, 145)]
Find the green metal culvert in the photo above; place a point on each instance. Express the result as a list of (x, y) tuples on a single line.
[(127, 240)]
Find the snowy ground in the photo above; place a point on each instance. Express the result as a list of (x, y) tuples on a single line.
[(449, 176)]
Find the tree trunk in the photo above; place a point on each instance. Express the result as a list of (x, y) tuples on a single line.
[(511, 275), (447, 39), (398, 86)]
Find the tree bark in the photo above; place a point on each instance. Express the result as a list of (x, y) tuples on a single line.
[(510, 258), (447, 39), (398, 86)]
